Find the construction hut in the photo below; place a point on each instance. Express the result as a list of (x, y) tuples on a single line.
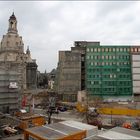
[(61, 130)]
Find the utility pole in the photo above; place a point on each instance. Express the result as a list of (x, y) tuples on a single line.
[(111, 116)]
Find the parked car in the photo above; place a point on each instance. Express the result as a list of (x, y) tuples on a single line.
[(62, 108)]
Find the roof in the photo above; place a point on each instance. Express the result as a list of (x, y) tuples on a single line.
[(53, 131), (78, 125), (117, 133), (45, 133)]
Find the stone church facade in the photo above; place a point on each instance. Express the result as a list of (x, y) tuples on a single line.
[(17, 69)]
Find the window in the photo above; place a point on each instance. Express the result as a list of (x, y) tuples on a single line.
[(110, 49), (103, 50), (87, 49), (128, 49), (95, 49), (106, 49), (91, 49), (110, 75)]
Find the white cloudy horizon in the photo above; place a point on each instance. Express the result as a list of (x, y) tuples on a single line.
[(50, 26)]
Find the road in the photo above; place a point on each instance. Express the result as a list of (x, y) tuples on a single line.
[(74, 115)]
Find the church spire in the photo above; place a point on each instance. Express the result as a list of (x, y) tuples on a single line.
[(12, 24), (28, 50)]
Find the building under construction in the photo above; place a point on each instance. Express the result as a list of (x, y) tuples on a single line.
[(17, 69), (111, 72)]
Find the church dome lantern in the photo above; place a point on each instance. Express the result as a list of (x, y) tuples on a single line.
[(12, 17), (12, 24)]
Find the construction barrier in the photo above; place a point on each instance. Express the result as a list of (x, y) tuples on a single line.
[(119, 111)]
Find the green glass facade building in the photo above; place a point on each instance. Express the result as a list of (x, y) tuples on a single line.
[(108, 70)]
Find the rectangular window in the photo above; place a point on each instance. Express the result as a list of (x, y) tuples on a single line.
[(110, 49), (103, 50)]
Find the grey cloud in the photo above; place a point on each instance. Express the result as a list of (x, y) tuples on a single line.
[(48, 27)]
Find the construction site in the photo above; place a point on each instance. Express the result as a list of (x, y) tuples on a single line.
[(31, 113), (63, 120)]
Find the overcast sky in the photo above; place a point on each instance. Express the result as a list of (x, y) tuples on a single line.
[(48, 27)]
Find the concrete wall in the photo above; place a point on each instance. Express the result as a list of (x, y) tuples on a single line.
[(69, 74), (136, 75)]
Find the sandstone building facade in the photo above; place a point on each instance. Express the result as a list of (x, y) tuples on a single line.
[(17, 69)]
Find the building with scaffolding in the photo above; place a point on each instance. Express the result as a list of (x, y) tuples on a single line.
[(17, 69), (111, 72)]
